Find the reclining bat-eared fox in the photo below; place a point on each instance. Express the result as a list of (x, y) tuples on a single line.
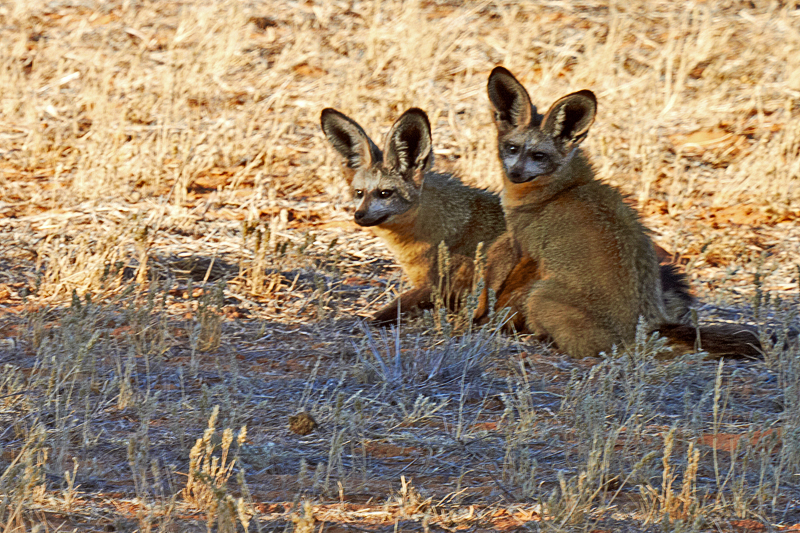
[(412, 208), (576, 264)]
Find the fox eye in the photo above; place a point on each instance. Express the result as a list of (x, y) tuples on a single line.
[(539, 157), (512, 148), (385, 193), (358, 194)]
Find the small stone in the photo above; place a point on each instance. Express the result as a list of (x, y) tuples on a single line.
[(302, 423)]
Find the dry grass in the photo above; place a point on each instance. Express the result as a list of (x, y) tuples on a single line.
[(175, 237)]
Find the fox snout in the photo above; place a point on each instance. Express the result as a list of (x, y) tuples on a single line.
[(517, 174), (371, 213), (365, 219), (360, 217)]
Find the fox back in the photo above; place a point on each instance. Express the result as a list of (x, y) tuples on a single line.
[(412, 208)]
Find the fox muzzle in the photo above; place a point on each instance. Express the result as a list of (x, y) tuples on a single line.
[(366, 219), (518, 175)]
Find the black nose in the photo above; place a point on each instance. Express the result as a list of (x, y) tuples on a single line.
[(359, 216)]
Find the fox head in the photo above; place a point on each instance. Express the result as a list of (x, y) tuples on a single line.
[(385, 184), (534, 148)]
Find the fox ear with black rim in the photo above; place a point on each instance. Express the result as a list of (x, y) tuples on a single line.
[(349, 139), (408, 146), (512, 104), (569, 119)]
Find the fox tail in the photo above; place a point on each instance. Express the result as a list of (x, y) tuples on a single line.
[(719, 340)]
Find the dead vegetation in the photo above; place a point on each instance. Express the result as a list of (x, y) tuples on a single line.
[(179, 274)]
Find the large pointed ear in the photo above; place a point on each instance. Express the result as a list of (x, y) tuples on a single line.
[(408, 145), (512, 105), (349, 139), (569, 119)]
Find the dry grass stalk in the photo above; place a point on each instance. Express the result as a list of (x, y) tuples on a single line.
[(206, 485)]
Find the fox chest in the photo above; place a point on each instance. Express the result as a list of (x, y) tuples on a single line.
[(562, 238), (417, 258), (530, 232)]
